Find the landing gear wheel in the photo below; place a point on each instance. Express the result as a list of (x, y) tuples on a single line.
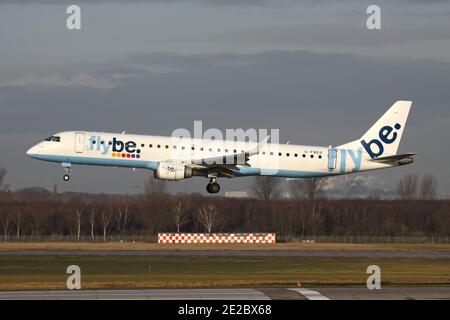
[(66, 176), (213, 187)]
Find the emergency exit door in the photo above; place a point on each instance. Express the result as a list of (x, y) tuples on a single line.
[(79, 142)]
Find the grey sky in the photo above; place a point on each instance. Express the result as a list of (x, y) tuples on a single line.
[(309, 68)]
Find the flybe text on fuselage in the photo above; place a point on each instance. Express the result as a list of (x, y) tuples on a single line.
[(119, 148)]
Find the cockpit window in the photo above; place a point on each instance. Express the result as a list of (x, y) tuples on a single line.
[(53, 138)]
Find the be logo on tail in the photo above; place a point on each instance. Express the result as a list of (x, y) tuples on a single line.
[(387, 135)]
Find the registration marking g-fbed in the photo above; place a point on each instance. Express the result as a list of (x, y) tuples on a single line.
[(310, 294)]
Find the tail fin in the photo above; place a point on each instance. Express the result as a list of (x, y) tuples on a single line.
[(383, 138)]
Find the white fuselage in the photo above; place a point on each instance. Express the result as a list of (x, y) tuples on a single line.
[(142, 151)]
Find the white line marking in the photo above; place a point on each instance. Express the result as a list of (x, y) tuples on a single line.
[(310, 294)]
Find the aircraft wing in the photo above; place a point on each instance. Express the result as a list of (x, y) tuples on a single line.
[(227, 165)]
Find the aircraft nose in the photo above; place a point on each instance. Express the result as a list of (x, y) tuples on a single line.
[(31, 151)]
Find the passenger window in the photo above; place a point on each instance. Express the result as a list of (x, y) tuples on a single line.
[(287, 154), (159, 146), (192, 148), (312, 156), (303, 155), (167, 147), (280, 154), (296, 155), (320, 157), (271, 153), (150, 145)]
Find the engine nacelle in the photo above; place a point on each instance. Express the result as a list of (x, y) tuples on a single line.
[(174, 171)]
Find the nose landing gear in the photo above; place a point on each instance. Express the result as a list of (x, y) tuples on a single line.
[(66, 167), (213, 186)]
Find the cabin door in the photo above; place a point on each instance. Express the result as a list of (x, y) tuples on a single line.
[(332, 159), (79, 142)]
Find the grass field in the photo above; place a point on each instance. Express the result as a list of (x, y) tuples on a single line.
[(155, 246), (37, 272)]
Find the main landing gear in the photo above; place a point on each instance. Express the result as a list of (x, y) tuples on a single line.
[(66, 167), (213, 186)]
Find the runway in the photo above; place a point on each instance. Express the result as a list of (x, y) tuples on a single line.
[(428, 254), (322, 293)]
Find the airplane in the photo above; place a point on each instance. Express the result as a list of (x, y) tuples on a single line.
[(177, 158)]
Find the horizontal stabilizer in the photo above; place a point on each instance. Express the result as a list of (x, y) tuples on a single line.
[(399, 159)]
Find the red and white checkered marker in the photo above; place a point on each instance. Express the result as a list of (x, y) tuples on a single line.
[(205, 238)]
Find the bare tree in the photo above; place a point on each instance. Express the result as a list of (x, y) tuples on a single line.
[(77, 221), (55, 189), (18, 221), (118, 220), (317, 217), (106, 219), (407, 187), (3, 173), (178, 215), (4, 220), (209, 217), (92, 222), (266, 187), (310, 188), (155, 186), (126, 217), (428, 187), (154, 211)]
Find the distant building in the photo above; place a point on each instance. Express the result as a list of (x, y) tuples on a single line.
[(236, 194)]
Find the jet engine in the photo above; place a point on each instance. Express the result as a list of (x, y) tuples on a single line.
[(173, 171)]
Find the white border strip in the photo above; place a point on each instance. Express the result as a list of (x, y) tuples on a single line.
[(310, 294)]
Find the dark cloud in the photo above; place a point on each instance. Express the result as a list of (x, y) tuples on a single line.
[(334, 35)]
